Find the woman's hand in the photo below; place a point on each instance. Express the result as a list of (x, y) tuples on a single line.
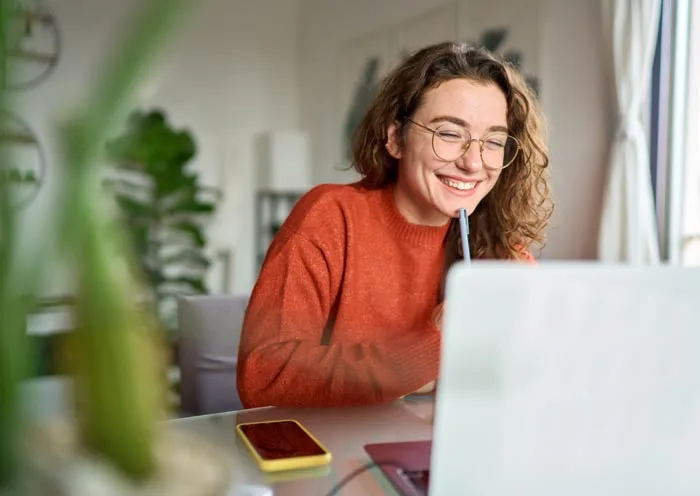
[(437, 315), (427, 389)]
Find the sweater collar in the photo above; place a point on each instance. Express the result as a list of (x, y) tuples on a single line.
[(405, 230)]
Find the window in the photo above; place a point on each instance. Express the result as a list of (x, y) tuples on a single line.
[(675, 132), (690, 204)]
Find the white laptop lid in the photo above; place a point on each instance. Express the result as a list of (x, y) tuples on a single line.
[(575, 379)]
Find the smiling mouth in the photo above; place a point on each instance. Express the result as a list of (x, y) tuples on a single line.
[(456, 184)]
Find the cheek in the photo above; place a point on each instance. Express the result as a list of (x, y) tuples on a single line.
[(494, 176), (421, 160), (429, 163)]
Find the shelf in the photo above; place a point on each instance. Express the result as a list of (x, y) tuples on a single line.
[(34, 56), (271, 209), (17, 138), (28, 15)]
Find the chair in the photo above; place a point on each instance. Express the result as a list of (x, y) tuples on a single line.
[(210, 330)]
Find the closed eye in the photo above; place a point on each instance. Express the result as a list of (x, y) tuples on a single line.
[(449, 135)]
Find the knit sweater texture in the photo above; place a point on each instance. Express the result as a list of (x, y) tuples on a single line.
[(341, 313)]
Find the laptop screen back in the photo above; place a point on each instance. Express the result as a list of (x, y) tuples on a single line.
[(569, 379)]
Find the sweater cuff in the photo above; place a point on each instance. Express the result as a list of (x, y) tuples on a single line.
[(419, 363)]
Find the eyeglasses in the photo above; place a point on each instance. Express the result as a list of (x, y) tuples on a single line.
[(450, 142)]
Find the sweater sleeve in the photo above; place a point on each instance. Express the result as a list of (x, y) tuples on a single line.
[(528, 258), (282, 361)]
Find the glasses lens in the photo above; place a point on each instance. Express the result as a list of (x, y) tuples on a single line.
[(449, 142), (499, 150)]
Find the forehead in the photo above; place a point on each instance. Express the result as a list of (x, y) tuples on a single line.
[(478, 104)]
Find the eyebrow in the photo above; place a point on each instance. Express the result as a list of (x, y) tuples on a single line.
[(463, 123)]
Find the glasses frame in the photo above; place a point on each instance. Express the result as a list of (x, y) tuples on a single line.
[(468, 145)]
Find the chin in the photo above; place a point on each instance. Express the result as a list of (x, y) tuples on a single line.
[(452, 209)]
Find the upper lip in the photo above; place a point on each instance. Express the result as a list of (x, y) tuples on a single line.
[(460, 179)]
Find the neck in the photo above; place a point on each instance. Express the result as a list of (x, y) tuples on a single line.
[(426, 216), (405, 229)]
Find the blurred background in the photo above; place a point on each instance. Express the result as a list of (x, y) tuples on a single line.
[(250, 104)]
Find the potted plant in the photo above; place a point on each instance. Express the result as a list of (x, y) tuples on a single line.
[(117, 443), (164, 205)]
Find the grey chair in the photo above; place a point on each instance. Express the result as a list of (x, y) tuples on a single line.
[(210, 330)]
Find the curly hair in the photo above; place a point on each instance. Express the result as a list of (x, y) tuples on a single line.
[(514, 215)]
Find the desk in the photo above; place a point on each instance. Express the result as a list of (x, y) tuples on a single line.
[(343, 431)]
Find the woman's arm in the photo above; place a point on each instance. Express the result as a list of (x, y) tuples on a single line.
[(281, 359)]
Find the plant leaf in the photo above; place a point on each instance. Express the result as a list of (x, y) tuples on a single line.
[(492, 38), (134, 209), (196, 285), (514, 58), (188, 257), (191, 229), (190, 205), (118, 386)]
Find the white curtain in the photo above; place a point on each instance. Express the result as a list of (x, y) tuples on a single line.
[(628, 231)]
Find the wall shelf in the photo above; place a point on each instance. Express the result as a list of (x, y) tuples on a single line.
[(271, 209)]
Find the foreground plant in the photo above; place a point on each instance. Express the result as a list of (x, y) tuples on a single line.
[(13, 282), (119, 385)]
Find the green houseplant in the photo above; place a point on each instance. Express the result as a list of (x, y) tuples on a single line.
[(493, 40), (116, 440), (164, 205), (365, 90)]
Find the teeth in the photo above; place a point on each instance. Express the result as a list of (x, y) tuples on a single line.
[(461, 185)]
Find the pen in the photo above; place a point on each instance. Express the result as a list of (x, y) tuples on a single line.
[(464, 232)]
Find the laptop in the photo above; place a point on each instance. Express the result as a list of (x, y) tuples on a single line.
[(567, 378)]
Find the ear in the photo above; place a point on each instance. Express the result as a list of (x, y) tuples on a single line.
[(394, 141)]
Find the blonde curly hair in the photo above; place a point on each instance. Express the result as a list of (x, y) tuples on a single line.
[(514, 215)]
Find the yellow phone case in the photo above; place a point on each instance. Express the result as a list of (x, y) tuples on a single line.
[(284, 464)]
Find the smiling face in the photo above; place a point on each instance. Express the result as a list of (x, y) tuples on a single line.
[(430, 190)]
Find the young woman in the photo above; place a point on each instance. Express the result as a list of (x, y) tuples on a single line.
[(347, 307)]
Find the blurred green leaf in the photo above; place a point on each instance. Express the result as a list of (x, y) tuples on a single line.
[(491, 39), (116, 377), (190, 206), (365, 91), (514, 58), (135, 209), (193, 230), (195, 285), (188, 257), (15, 282)]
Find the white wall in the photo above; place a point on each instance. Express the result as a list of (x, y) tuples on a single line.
[(236, 69), (328, 29), (561, 42), (229, 73), (578, 102)]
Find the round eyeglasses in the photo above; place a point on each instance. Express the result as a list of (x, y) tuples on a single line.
[(451, 141)]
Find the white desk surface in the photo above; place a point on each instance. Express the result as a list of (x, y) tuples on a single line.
[(344, 431)]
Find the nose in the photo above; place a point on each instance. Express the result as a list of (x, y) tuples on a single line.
[(471, 160)]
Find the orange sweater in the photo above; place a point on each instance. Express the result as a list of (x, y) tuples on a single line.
[(341, 311)]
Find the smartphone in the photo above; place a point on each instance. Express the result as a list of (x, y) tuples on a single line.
[(282, 445)]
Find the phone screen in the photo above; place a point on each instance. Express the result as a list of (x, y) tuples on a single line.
[(278, 440)]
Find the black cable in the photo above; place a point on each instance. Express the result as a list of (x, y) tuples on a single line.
[(358, 471)]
